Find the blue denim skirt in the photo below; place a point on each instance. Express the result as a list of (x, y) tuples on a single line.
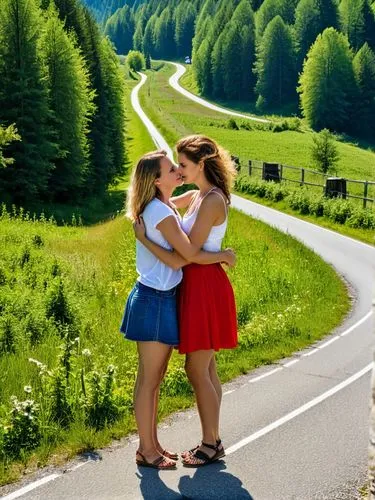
[(151, 315)]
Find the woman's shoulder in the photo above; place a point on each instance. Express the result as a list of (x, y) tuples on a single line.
[(156, 204), (215, 197)]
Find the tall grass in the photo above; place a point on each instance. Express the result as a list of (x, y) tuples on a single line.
[(62, 293)]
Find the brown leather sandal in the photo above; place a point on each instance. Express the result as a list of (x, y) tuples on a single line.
[(201, 455), (169, 454), (161, 463), (186, 453)]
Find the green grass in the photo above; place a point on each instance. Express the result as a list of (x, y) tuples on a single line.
[(176, 116), (286, 296), (288, 147), (106, 206)]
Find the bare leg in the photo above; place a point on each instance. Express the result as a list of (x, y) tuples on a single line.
[(217, 385), (152, 360), (197, 369), (155, 423)]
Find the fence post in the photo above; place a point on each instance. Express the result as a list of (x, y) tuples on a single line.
[(365, 192), (281, 172), (302, 176), (250, 166)]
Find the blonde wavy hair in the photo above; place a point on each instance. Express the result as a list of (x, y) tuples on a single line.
[(142, 185), (218, 165)]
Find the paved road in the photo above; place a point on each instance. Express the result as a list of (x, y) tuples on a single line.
[(173, 81), (294, 430)]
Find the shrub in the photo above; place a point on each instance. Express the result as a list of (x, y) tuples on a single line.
[(232, 124), (22, 431), (135, 60)]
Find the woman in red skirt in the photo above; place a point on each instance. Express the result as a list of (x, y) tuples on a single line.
[(207, 312)]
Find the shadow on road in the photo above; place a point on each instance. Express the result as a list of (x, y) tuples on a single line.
[(207, 483)]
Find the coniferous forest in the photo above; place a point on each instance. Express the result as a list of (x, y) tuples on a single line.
[(61, 94), (314, 57)]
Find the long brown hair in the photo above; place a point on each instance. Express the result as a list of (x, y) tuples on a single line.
[(142, 185), (218, 165)]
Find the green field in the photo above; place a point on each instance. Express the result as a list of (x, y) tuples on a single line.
[(176, 116), (66, 286)]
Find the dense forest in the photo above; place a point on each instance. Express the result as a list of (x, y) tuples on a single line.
[(316, 55), (61, 103)]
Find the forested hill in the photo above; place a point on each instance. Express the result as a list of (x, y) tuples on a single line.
[(102, 9), (254, 50), (61, 90)]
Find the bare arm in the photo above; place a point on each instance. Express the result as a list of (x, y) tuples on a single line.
[(184, 199), (173, 258)]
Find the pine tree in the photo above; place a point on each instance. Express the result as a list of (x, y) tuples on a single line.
[(255, 4), (275, 65), (287, 10), (358, 22), (267, 11), (71, 101), (72, 14), (164, 34), (203, 22), (185, 19), (306, 28), (244, 17), (248, 79), (232, 69), (107, 124), (24, 101), (327, 85), (202, 67), (364, 71), (148, 61), (138, 37), (114, 113), (324, 151), (149, 38), (222, 17), (217, 68), (120, 29), (328, 14)]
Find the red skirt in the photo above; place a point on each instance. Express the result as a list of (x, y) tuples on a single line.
[(207, 310)]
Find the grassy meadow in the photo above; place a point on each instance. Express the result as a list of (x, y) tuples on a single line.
[(67, 374), (175, 116)]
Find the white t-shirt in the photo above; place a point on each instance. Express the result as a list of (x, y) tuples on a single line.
[(152, 272)]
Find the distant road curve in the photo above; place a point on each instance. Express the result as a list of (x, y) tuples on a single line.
[(173, 82)]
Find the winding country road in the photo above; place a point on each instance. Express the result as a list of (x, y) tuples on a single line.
[(295, 430), (173, 82)]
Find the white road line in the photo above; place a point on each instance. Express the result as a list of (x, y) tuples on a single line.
[(353, 327), (298, 411), (291, 363), (329, 342), (32, 486), (228, 392), (310, 353), (256, 379)]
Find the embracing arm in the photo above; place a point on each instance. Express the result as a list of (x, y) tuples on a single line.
[(173, 233)]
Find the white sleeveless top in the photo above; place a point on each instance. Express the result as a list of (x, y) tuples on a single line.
[(217, 233)]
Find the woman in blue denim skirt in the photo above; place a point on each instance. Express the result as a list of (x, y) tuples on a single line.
[(150, 316)]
